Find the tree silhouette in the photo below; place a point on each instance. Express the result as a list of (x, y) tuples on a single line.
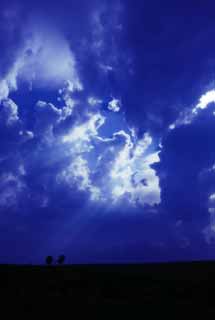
[(61, 259), (49, 260)]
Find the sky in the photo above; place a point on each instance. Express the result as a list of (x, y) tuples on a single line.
[(107, 129)]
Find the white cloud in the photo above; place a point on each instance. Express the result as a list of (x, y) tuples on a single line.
[(4, 90), (172, 126), (66, 96), (67, 90), (111, 168), (142, 145), (78, 173), (94, 101), (114, 105), (186, 116), (45, 60), (205, 99), (9, 112), (9, 82), (131, 168), (48, 107), (81, 135), (212, 198)]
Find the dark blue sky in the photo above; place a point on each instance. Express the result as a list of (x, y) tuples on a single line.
[(107, 131)]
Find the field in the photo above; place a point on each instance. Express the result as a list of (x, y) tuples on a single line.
[(172, 287)]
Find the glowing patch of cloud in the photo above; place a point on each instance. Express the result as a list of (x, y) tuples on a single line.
[(205, 99), (9, 83), (122, 169), (187, 116), (81, 135), (131, 168), (78, 173), (114, 105), (4, 90), (45, 60), (9, 112)]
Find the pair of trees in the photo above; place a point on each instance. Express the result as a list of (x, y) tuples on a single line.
[(60, 260)]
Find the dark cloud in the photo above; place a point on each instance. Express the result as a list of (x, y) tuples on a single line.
[(186, 180), (12, 29), (172, 59)]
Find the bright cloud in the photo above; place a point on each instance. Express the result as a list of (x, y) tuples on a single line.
[(45, 60), (9, 82), (114, 105), (4, 90), (9, 112), (205, 99), (133, 175), (117, 168), (187, 115), (82, 134)]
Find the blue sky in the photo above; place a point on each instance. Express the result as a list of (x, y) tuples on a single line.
[(107, 131)]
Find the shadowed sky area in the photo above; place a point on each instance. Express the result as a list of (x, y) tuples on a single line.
[(107, 129)]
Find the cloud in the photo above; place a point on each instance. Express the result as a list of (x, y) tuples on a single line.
[(188, 115), (186, 174), (47, 60), (9, 112), (9, 82), (114, 105), (43, 59), (82, 134), (130, 168), (112, 168), (205, 99), (65, 95), (4, 90)]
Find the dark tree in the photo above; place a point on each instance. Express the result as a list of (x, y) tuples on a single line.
[(49, 260), (61, 259)]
